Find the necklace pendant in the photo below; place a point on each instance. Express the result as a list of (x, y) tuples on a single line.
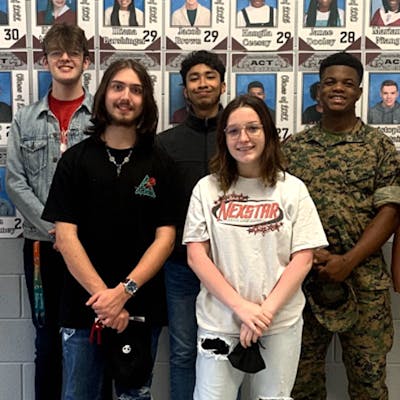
[(111, 158), (63, 147)]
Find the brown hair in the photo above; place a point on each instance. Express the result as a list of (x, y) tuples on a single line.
[(65, 37), (272, 160), (146, 124)]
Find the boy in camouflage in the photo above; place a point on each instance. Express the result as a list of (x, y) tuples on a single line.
[(352, 173), (395, 267)]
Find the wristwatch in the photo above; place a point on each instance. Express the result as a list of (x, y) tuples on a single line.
[(130, 286)]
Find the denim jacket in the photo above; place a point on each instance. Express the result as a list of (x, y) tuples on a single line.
[(33, 150)]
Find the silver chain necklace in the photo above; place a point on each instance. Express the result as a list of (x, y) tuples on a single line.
[(126, 159)]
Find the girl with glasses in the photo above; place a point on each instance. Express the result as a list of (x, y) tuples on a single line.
[(250, 231)]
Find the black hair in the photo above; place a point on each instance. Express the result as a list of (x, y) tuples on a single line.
[(202, 57), (255, 84), (311, 15), (115, 14), (342, 58), (386, 6), (314, 90)]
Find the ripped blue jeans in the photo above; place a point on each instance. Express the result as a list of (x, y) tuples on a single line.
[(84, 368), (217, 379)]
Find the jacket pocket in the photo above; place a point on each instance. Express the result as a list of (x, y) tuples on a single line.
[(34, 153)]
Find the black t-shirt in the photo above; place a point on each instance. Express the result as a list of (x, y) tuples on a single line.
[(5, 112), (116, 216), (311, 115)]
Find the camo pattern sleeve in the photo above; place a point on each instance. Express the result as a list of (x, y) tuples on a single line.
[(388, 177)]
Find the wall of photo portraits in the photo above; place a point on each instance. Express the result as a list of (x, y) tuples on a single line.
[(276, 51), (281, 52)]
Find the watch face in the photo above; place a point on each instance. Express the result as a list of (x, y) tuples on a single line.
[(131, 287)]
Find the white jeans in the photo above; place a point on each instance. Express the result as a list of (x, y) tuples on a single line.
[(217, 379)]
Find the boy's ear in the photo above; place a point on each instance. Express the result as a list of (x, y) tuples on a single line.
[(45, 61)]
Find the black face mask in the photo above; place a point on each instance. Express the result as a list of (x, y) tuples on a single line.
[(247, 359)]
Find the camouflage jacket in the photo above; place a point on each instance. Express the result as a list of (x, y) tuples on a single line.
[(349, 177)]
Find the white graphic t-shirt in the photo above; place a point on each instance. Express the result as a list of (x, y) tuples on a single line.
[(253, 230)]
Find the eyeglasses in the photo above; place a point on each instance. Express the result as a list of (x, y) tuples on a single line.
[(252, 129), (56, 54)]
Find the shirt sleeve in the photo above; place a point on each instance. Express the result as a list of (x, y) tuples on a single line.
[(62, 201), (388, 174), (308, 232), (195, 229), (289, 148), (19, 189)]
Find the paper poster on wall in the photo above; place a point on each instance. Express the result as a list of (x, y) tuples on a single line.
[(10, 218), (201, 24), (326, 25), (308, 106), (150, 60), (176, 107), (14, 88), (130, 26), (270, 77), (262, 25), (42, 77), (12, 24), (381, 85), (45, 13), (382, 25)]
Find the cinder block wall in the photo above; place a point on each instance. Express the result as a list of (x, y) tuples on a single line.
[(17, 336)]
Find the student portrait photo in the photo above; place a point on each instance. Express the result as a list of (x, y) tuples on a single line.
[(124, 12), (385, 13), (323, 13), (56, 11), (7, 209), (256, 13), (177, 101), (44, 83), (312, 107), (191, 12), (384, 107), (5, 97), (3, 12), (259, 85)]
